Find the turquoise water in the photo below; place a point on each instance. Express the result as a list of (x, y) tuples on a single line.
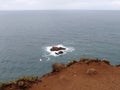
[(24, 36)]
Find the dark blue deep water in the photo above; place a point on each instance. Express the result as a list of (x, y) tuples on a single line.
[(25, 34)]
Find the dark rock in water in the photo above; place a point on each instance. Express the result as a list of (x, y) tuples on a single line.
[(58, 53), (57, 48)]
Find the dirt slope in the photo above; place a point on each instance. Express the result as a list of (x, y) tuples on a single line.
[(82, 75)]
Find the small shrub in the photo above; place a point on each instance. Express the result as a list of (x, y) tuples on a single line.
[(21, 83), (71, 63), (89, 60), (28, 78), (57, 67), (118, 65), (85, 59), (107, 62), (4, 85), (25, 82)]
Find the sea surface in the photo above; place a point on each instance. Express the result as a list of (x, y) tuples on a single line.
[(25, 37)]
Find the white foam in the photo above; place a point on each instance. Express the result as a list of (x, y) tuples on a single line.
[(53, 53), (40, 59), (46, 57)]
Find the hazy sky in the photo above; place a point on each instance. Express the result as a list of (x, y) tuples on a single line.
[(59, 4)]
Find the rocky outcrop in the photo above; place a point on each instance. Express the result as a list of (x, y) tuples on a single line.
[(91, 71), (58, 53), (54, 48)]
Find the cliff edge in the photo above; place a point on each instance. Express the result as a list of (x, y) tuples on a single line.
[(86, 74)]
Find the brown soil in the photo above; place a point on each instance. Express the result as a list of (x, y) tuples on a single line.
[(83, 75)]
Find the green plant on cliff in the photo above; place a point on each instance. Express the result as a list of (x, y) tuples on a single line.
[(21, 83), (56, 67), (71, 63)]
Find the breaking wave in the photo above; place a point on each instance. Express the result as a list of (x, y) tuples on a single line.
[(53, 53), (48, 53)]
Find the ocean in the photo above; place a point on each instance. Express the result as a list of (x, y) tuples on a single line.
[(25, 37)]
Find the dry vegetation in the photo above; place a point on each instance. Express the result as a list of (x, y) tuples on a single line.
[(57, 67), (19, 84)]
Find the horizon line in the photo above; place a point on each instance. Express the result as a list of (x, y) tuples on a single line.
[(64, 10)]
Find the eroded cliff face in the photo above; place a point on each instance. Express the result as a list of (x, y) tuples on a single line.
[(86, 74)]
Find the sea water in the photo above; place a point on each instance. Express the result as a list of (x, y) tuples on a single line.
[(26, 36)]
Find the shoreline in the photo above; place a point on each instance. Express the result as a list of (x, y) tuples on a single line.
[(69, 75)]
